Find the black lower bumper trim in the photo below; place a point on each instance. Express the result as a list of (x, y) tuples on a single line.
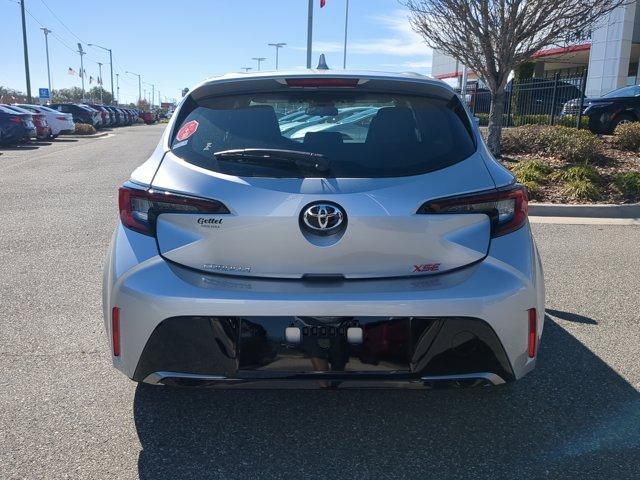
[(232, 350)]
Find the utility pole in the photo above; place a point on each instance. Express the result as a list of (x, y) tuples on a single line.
[(26, 52), (139, 84), (100, 79), (309, 32), (153, 93), (118, 88), (246, 69), (277, 46), (46, 45), (259, 60), (110, 63), (82, 53), (346, 25)]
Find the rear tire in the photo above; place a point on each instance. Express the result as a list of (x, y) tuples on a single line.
[(621, 119)]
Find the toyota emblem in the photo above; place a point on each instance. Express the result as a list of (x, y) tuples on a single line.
[(323, 218)]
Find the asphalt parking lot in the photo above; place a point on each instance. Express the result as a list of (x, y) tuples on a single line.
[(66, 413)]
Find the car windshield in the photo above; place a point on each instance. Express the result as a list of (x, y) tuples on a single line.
[(364, 135), (623, 92)]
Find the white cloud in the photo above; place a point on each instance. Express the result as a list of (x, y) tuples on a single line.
[(402, 40)]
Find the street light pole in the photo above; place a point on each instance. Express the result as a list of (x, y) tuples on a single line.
[(110, 63), (246, 69), (259, 60), (26, 52), (82, 53), (346, 25), (309, 31), (118, 88), (277, 46), (46, 45), (139, 85)]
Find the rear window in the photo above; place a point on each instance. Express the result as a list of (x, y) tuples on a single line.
[(354, 134)]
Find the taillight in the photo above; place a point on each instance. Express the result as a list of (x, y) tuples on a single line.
[(115, 330), (322, 82), (506, 208), (15, 119), (533, 333), (139, 209), (61, 118)]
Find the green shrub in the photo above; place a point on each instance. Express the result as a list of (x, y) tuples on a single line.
[(628, 136), (578, 173), (569, 144), (581, 190), (628, 183), (531, 171), (84, 129)]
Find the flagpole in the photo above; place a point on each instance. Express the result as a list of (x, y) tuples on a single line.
[(346, 25), (309, 32)]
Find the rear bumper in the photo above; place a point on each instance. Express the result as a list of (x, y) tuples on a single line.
[(491, 297)]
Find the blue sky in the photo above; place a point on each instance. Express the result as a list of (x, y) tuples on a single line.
[(176, 44)]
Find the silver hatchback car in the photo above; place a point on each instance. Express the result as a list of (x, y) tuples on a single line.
[(372, 241)]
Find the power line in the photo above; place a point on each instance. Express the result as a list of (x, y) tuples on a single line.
[(63, 24)]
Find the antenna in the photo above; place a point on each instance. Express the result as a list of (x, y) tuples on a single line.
[(322, 63)]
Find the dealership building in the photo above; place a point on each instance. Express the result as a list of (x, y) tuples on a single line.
[(610, 55)]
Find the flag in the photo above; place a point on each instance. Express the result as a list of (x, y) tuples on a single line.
[(90, 79), (71, 71), (322, 3)]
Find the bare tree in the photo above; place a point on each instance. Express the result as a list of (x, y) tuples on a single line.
[(492, 37)]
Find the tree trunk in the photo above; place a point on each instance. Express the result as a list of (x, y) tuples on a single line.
[(495, 121)]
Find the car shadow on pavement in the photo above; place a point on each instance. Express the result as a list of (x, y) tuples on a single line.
[(572, 417)]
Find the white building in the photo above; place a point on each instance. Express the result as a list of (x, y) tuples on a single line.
[(610, 53)]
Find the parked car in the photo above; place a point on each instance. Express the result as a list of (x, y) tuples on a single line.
[(148, 117), (113, 112), (80, 113), (43, 130), (104, 114), (60, 123), (401, 256), (605, 113), (14, 127), (27, 120)]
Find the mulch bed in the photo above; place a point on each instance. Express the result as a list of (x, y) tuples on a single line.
[(611, 161)]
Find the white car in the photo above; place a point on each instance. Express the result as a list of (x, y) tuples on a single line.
[(60, 123), (402, 257)]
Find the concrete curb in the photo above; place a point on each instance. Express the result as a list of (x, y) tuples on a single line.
[(95, 135), (589, 211)]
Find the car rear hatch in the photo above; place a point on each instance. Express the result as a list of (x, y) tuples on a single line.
[(337, 207)]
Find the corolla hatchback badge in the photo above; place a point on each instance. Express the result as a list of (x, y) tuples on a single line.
[(323, 218)]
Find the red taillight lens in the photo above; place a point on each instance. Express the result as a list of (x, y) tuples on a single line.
[(507, 208), (61, 118), (115, 330), (533, 333), (15, 120), (322, 82), (139, 209)]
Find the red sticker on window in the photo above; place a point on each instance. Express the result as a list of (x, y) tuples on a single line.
[(187, 130)]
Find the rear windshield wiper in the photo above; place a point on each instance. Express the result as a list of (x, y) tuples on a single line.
[(275, 157)]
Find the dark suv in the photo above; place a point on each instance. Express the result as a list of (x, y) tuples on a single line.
[(81, 113), (612, 109)]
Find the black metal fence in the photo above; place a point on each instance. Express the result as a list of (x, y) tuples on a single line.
[(552, 101)]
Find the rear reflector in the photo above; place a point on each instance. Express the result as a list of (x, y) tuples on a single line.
[(115, 330), (533, 334), (323, 82)]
